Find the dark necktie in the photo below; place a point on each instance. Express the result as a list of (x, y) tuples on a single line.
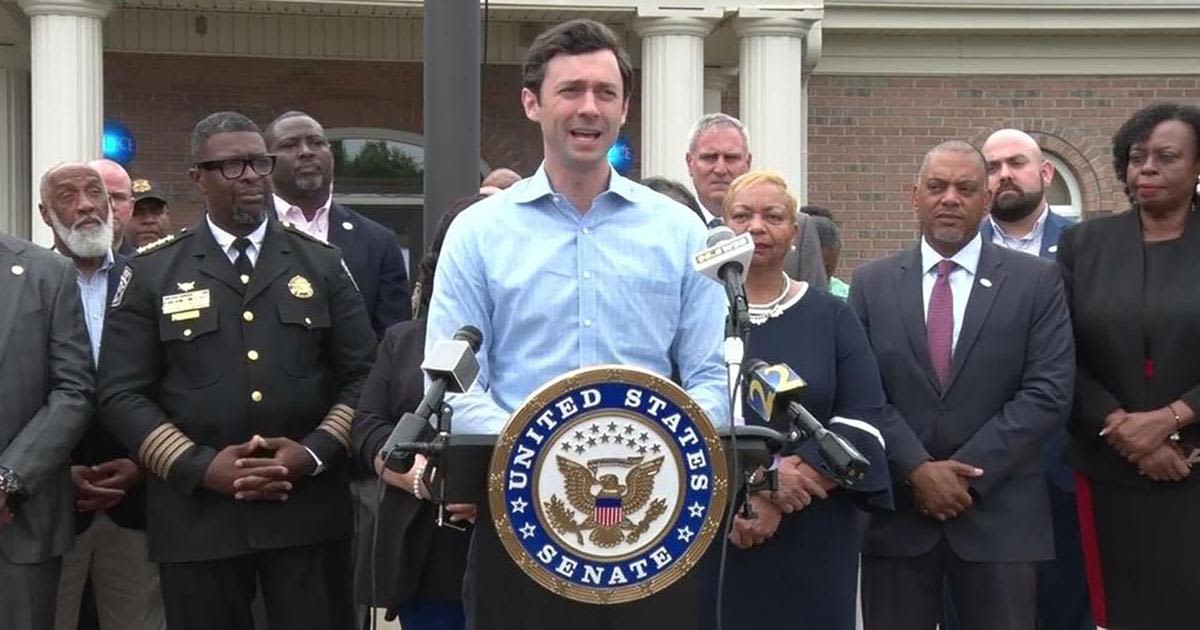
[(716, 222), (242, 263), (939, 327)]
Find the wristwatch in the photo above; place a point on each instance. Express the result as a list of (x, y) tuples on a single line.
[(10, 483)]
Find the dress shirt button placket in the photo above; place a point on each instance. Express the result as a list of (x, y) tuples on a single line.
[(585, 260)]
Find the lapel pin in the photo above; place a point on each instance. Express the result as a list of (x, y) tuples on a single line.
[(17, 270), (985, 282), (1052, 249), (346, 225)]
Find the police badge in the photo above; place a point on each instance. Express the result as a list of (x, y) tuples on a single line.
[(607, 485)]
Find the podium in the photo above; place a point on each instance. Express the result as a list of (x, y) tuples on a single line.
[(605, 489), (465, 458)]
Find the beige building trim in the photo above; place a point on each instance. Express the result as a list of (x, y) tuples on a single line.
[(875, 54)]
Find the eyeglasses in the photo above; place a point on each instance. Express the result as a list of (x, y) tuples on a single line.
[(233, 168)]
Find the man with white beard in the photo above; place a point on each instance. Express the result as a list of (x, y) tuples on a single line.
[(109, 497)]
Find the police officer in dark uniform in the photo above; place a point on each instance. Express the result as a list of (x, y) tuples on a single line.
[(239, 349)]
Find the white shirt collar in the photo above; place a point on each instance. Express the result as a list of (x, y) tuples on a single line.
[(967, 257), (283, 206), (225, 239), (1039, 226)]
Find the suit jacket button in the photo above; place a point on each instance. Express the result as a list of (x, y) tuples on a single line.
[(252, 355), (256, 396), (248, 316)]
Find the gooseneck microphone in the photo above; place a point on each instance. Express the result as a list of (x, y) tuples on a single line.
[(452, 368), (774, 396)]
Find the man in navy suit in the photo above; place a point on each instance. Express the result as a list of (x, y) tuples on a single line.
[(977, 357), (1021, 219), (303, 179), (110, 502)]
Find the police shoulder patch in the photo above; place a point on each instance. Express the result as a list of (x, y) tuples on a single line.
[(607, 485), (119, 294)]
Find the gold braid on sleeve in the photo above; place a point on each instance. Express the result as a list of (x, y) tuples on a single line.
[(337, 423), (165, 444)]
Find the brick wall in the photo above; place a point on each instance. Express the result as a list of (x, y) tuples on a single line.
[(867, 136), (160, 98)]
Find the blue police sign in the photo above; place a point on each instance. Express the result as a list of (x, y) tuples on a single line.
[(118, 143), (620, 155)]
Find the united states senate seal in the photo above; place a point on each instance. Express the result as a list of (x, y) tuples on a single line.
[(607, 485)]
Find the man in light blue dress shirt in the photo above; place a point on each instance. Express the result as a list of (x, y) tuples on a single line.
[(574, 266)]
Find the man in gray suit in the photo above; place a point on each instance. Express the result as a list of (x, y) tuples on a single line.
[(975, 348), (719, 152), (47, 401)]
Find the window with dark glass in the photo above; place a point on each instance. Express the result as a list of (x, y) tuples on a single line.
[(378, 166)]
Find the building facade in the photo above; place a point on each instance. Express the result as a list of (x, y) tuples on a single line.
[(842, 96)]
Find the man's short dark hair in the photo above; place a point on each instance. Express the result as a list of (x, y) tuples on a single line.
[(960, 147), (674, 190), (827, 233), (1142, 123), (576, 37), (818, 211), (218, 123), (269, 130)]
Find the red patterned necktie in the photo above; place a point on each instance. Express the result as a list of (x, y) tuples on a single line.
[(939, 326)]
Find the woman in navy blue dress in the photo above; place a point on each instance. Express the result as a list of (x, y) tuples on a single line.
[(796, 564)]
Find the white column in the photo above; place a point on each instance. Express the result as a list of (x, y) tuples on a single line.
[(14, 140), (67, 85), (812, 55), (672, 85), (772, 89), (716, 84)]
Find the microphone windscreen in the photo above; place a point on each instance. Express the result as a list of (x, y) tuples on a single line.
[(471, 335), (719, 234)]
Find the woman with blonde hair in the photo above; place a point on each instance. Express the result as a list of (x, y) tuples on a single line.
[(804, 541)]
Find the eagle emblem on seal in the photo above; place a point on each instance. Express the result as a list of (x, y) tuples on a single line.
[(606, 503)]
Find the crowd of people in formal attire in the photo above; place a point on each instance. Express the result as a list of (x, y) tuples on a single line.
[(194, 420)]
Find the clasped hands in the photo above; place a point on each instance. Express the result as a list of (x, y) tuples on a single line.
[(1143, 439), (799, 484), (104, 485), (941, 489), (260, 469)]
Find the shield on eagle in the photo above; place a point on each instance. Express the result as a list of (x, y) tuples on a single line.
[(608, 511)]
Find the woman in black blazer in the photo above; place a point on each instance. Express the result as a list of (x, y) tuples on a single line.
[(1134, 284), (418, 566)]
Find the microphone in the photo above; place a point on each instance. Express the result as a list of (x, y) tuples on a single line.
[(452, 368), (726, 259), (773, 395)]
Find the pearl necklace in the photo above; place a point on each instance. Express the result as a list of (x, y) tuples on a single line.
[(760, 313)]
